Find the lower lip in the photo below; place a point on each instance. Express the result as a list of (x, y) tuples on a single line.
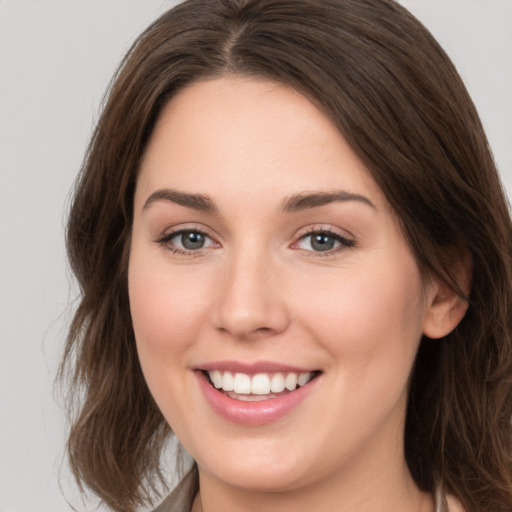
[(253, 413)]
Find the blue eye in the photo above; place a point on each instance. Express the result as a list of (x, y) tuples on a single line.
[(191, 240), (323, 241), (186, 240)]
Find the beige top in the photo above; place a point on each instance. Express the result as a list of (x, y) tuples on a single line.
[(182, 497)]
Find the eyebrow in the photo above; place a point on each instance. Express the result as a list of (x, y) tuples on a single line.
[(198, 202), (294, 203), (305, 200)]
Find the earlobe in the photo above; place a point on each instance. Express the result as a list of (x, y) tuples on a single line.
[(446, 305)]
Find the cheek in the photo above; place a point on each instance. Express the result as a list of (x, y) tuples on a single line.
[(168, 310), (167, 307), (370, 324), (371, 313)]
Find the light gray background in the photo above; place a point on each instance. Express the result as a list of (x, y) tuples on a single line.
[(56, 58)]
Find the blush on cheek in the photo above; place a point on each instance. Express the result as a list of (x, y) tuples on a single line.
[(165, 311), (363, 310)]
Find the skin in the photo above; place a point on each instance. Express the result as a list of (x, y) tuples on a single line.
[(257, 290)]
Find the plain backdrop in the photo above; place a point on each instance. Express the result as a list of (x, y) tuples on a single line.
[(56, 58)]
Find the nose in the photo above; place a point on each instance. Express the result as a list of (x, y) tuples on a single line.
[(251, 302)]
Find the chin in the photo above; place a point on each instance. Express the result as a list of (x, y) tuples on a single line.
[(261, 467), (261, 479)]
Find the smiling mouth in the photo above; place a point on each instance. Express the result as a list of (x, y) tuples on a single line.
[(258, 387)]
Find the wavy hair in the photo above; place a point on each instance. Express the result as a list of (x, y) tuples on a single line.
[(397, 99)]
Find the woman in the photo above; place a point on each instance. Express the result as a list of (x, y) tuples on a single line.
[(294, 253)]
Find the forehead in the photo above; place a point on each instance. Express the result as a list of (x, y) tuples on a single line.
[(245, 135)]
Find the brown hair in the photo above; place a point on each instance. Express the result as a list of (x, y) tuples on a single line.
[(400, 104)]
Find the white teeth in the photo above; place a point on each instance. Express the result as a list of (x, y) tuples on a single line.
[(242, 383), (216, 377), (290, 383), (250, 398), (227, 382), (304, 378), (277, 383), (259, 384)]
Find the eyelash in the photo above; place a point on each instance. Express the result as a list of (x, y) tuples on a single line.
[(166, 239), (344, 243)]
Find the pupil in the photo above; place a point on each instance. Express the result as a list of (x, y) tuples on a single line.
[(322, 242), (192, 240)]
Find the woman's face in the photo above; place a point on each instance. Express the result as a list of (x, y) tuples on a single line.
[(263, 254)]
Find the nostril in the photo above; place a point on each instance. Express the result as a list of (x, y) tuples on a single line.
[(248, 309), (242, 333)]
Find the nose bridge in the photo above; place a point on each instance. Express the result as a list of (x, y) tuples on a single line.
[(249, 301)]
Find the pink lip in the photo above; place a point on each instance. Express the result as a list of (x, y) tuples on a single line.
[(253, 413)]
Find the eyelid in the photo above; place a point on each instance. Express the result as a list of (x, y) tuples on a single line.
[(325, 228), (180, 228)]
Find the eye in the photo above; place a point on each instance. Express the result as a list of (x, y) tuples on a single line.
[(191, 240), (186, 241), (323, 241)]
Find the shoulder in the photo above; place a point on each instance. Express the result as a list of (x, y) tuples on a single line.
[(454, 504)]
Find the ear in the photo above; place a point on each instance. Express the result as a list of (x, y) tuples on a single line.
[(446, 307)]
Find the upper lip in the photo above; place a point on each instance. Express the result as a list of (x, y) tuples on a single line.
[(253, 367)]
